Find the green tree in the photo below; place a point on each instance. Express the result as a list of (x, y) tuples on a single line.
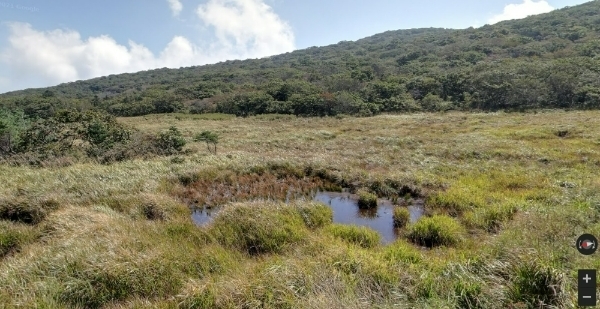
[(5, 138), (12, 124), (209, 138)]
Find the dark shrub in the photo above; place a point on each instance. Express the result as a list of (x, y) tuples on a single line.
[(153, 211), (170, 141)]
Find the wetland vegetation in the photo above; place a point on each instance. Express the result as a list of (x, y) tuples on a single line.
[(505, 196)]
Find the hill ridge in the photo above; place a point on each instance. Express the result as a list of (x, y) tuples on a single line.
[(543, 61)]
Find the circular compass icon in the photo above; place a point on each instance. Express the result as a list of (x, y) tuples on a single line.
[(587, 244)]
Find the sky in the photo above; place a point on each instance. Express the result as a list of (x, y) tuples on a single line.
[(45, 43)]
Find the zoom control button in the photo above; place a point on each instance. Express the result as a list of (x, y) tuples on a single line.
[(586, 288)]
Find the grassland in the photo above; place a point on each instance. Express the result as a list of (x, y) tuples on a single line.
[(507, 194)]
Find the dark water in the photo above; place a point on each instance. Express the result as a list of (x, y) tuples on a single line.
[(345, 211)]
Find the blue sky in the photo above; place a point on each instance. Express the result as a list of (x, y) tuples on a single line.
[(44, 43)]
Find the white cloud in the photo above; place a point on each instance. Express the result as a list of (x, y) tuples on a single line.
[(522, 10), (175, 6), (243, 29), (247, 26)]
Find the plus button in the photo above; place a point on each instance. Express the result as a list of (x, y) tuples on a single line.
[(587, 278)]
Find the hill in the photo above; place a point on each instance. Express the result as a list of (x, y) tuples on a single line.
[(544, 61)]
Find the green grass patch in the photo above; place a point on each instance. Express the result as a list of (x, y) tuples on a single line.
[(438, 230), (366, 200), (490, 218), (315, 215), (401, 216), (401, 252), (358, 235), (198, 296), (259, 227)]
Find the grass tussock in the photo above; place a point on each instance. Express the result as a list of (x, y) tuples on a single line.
[(533, 285), (315, 215), (401, 217), (366, 200), (358, 235), (469, 295), (92, 286), (434, 231), (259, 227)]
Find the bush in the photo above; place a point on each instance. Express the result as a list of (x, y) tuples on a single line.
[(359, 235), (258, 227), (438, 230), (170, 141), (366, 200), (401, 216)]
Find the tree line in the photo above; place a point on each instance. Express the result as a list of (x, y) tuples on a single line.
[(545, 61)]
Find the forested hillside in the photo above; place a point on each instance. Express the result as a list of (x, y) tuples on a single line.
[(545, 61)]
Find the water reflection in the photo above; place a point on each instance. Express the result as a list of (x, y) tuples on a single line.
[(346, 211), (203, 215)]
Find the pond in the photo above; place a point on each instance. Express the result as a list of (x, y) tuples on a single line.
[(346, 211)]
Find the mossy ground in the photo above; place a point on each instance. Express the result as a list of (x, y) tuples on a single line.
[(120, 235)]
